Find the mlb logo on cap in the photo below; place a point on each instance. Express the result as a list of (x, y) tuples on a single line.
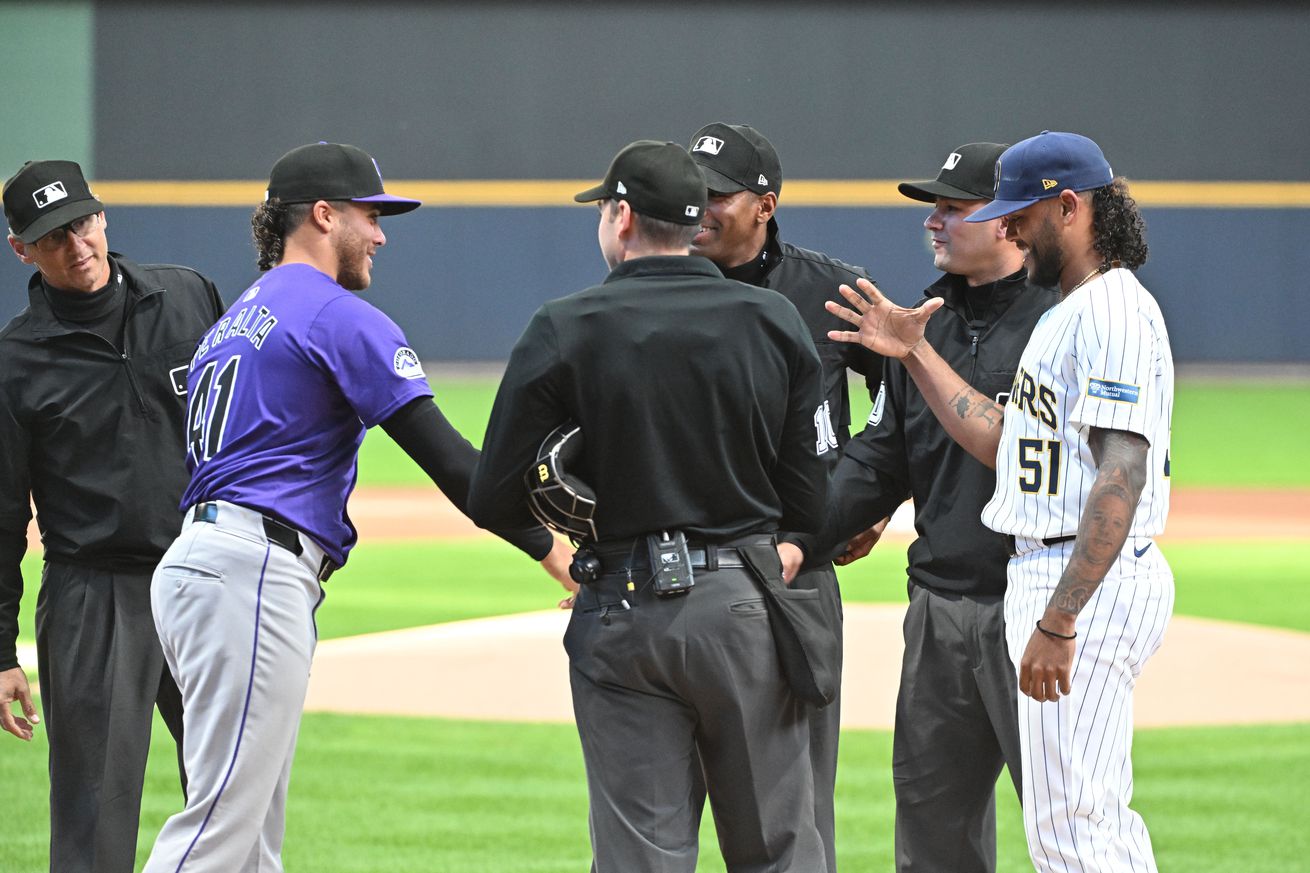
[(44, 195), (49, 194), (708, 144)]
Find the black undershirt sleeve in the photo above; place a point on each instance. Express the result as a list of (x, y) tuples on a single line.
[(423, 432), (859, 497)]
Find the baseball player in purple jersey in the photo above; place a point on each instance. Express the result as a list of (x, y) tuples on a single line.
[(1081, 454), (282, 389)]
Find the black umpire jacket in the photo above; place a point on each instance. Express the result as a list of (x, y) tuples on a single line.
[(95, 434), (905, 452), (697, 397), (808, 279)]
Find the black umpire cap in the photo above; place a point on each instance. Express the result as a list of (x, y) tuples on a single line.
[(968, 174), (736, 157), (658, 179), (44, 195)]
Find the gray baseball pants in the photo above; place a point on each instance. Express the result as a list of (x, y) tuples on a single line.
[(235, 614)]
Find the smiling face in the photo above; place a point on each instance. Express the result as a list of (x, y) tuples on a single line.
[(1034, 231), (356, 239), (734, 227), (77, 263)]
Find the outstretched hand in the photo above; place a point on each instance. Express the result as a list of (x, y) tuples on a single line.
[(881, 326)]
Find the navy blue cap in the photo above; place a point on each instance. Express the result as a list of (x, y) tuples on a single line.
[(1042, 166)]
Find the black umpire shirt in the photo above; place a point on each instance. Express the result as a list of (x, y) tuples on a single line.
[(905, 452), (809, 279), (697, 397), (92, 407)]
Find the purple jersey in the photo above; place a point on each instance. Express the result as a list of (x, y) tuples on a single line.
[(281, 391)]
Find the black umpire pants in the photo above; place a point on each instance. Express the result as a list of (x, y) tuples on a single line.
[(825, 723), (102, 673), (668, 686), (957, 723)]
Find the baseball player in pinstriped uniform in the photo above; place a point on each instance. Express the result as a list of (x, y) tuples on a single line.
[(1082, 470)]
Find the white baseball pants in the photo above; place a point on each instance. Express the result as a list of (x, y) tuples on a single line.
[(1076, 752)]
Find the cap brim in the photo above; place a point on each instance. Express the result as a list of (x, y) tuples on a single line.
[(999, 209), (928, 192), (388, 204), (58, 218), (591, 195), (719, 183)]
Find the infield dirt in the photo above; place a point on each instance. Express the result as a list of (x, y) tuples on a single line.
[(514, 667)]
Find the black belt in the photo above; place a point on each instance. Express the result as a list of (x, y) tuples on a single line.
[(632, 554), (1048, 541), (281, 534)]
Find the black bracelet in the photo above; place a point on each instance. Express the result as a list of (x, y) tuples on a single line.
[(1054, 635)]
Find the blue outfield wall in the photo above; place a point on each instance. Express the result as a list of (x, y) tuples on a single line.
[(463, 281)]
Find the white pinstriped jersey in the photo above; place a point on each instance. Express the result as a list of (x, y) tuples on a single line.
[(1099, 358)]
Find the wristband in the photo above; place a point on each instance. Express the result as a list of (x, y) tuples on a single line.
[(1054, 635)]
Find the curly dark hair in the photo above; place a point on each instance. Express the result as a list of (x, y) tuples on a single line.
[(1118, 231), (272, 222)]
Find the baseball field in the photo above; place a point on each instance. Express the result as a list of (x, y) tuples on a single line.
[(459, 625)]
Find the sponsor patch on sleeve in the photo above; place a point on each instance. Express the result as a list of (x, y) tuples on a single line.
[(406, 364), (1107, 390)]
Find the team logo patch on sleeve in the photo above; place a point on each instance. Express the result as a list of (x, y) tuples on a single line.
[(406, 364), (1107, 390)]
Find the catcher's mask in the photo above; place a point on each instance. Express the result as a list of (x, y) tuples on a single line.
[(559, 500)]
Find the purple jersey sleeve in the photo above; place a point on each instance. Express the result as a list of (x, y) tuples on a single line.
[(368, 356)]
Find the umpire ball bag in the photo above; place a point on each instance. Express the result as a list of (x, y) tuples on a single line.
[(559, 500)]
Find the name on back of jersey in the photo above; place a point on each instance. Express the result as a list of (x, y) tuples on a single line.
[(254, 323)]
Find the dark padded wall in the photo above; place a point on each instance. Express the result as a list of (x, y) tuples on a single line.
[(463, 282), (551, 90)]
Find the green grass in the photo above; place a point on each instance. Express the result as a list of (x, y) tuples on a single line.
[(465, 401), (1225, 434), (1258, 582), (391, 585), (388, 586), (373, 793), (402, 794), (1240, 434)]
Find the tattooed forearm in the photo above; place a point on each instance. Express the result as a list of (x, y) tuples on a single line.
[(1107, 518), (968, 403)]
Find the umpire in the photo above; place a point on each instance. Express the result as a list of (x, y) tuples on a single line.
[(92, 407), (956, 709), (739, 233), (698, 399)]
